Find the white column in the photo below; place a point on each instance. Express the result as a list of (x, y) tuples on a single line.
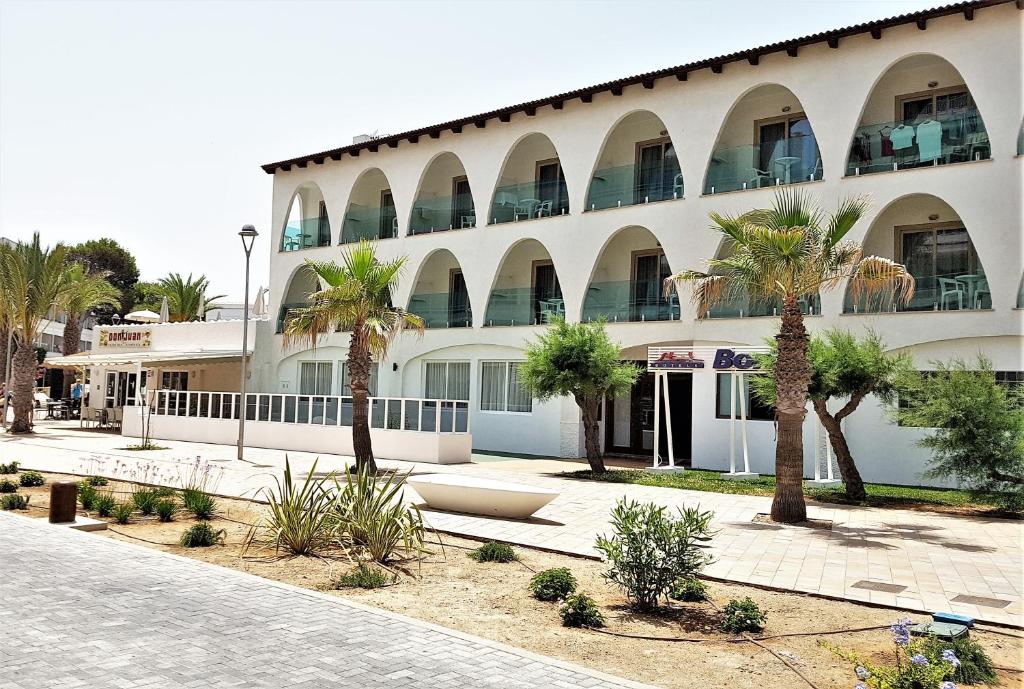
[(668, 423), (657, 414), (743, 420)]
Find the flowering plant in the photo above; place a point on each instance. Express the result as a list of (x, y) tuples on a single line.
[(912, 668)]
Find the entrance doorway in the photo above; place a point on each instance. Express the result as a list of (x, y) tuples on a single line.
[(121, 389), (629, 429)]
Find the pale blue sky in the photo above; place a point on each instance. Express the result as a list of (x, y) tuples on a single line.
[(147, 121)]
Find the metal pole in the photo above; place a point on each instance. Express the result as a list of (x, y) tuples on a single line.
[(248, 232)]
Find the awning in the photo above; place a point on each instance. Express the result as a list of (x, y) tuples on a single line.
[(84, 359)]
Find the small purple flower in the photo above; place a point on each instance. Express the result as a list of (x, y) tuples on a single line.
[(947, 685), (860, 685), (919, 660), (901, 631), (950, 657), (862, 672)]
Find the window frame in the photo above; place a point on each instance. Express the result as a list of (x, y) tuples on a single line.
[(506, 378), (750, 406), (316, 378), (447, 363)]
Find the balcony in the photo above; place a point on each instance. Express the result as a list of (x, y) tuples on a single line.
[(306, 234), (522, 306), (441, 310), (944, 139), (528, 201), (938, 292), (744, 307), (628, 301), (440, 214), (285, 312), (369, 224), (786, 161), (624, 185)]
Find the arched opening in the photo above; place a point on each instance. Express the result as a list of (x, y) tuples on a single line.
[(737, 303), (926, 235), (766, 141), (526, 289), (444, 200), (307, 224), (303, 283), (920, 113), (439, 295), (638, 164), (531, 184), (371, 209), (627, 282)]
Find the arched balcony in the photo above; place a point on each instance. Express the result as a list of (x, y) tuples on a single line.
[(927, 236), (766, 141), (307, 224), (737, 303), (303, 283), (638, 164), (440, 296), (627, 282), (531, 184), (444, 200), (526, 290), (371, 209), (919, 114)]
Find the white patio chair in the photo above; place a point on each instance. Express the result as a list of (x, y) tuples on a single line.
[(948, 287)]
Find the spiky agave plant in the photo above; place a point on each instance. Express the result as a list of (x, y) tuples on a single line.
[(299, 516), (372, 515)]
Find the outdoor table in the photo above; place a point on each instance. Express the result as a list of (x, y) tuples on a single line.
[(787, 162), (971, 281)]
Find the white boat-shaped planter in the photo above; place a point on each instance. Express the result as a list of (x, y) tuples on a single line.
[(472, 495)]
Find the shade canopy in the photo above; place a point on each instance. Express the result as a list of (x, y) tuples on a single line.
[(145, 358), (144, 316)]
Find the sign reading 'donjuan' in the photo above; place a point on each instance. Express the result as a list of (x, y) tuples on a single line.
[(134, 338), (722, 358)]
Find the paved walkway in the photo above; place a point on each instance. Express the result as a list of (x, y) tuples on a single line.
[(913, 560), (85, 611)]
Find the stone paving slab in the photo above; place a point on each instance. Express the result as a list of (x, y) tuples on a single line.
[(79, 610)]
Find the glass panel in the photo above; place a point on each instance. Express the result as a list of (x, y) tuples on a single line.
[(305, 233), (346, 411), (458, 380), (275, 408), (743, 307), (289, 409), (331, 412), (437, 312), (250, 407), (492, 385), (376, 413), (264, 407), (318, 410), (618, 301), (442, 213), (774, 161), (524, 200), (461, 417), (369, 223), (394, 414), (428, 416), (204, 405), (412, 415), (519, 399), (302, 409)]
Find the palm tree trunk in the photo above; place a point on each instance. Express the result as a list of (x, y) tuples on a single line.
[(844, 458), (72, 336), (792, 380), (3, 355), (359, 374), (23, 378), (591, 437)]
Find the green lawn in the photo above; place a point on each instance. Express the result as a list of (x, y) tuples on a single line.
[(879, 494)]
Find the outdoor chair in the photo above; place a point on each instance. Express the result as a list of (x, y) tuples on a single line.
[(981, 291), (544, 209), (948, 287)]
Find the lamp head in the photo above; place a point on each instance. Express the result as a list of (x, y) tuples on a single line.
[(248, 234)]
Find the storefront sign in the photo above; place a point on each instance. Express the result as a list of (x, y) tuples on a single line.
[(728, 359), (134, 339), (675, 359), (693, 358)]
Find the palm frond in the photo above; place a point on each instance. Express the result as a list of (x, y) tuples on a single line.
[(850, 211), (876, 276)]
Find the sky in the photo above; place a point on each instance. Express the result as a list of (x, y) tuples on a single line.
[(147, 121)]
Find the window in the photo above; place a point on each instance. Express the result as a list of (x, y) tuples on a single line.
[(446, 380), (787, 139), (648, 302), (756, 409), (345, 381), (315, 377), (463, 213), (942, 259), (174, 380), (323, 227), (551, 188), (459, 313), (657, 172), (388, 216), (501, 389)]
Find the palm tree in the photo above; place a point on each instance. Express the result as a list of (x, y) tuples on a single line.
[(85, 292), (33, 280), (185, 296), (355, 297), (782, 254)]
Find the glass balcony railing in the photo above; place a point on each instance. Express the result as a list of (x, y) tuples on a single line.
[(520, 306), (746, 308), (946, 139), (620, 186), (943, 292), (438, 215), (625, 301), (438, 311), (762, 165), (283, 313), (369, 223), (528, 201), (306, 234)]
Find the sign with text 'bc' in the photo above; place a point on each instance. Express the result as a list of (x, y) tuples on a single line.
[(135, 338), (692, 358)]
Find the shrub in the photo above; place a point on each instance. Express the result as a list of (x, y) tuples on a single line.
[(553, 584), (300, 517), (975, 666), (87, 495), (96, 481), (742, 616), (145, 500), (104, 504), (31, 478), (202, 505), (8, 486), (650, 550), (689, 590), (13, 501), (492, 551), (364, 577), (370, 511), (9, 468), (202, 535), (123, 512), (164, 492), (580, 610), (165, 509)]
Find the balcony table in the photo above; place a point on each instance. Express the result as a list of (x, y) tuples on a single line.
[(787, 162), (971, 281)]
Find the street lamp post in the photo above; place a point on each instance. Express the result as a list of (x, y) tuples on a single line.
[(248, 235)]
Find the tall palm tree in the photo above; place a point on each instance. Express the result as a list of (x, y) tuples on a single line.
[(33, 280), (85, 292), (782, 254), (355, 297), (185, 296)]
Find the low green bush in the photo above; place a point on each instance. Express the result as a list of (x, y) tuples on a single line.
[(87, 494), (689, 590), (370, 510), (13, 501), (165, 509), (973, 666), (8, 486), (164, 492), (300, 517), (9, 468), (96, 481), (104, 504), (123, 512), (364, 577), (742, 616), (580, 610), (202, 505), (31, 478), (553, 584), (145, 500), (492, 551), (202, 535)]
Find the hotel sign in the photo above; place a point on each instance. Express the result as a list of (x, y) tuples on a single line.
[(721, 358), (673, 359), (135, 338)]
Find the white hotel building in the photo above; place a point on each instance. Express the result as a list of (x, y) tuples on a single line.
[(581, 203)]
